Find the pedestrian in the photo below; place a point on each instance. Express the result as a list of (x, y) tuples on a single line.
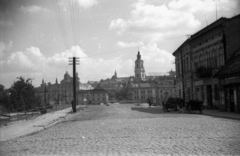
[(149, 101)]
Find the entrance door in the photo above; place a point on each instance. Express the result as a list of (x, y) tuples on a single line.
[(231, 96), (209, 96)]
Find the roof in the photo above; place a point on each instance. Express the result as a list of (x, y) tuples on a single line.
[(202, 31), (92, 91), (98, 90), (183, 44), (232, 67), (220, 21), (145, 85)]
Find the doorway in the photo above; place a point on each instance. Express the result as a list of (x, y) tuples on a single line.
[(209, 96), (231, 100)]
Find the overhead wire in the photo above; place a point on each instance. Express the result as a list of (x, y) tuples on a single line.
[(74, 21), (113, 51), (78, 24), (57, 17), (71, 17), (61, 22)]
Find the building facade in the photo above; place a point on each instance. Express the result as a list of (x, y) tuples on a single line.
[(201, 56), (229, 81), (58, 93), (159, 88), (96, 96), (159, 92)]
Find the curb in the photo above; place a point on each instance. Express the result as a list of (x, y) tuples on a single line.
[(42, 127), (220, 116)]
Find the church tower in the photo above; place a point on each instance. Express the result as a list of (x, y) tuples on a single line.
[(139, 69), (115, 74)]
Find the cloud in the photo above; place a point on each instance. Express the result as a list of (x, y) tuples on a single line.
[(146, 20), (3, 21), (3, 47), (128, 45), (6, 23), (202, 6), (33, 9), (87, 3), (32, 63), (155, 59)]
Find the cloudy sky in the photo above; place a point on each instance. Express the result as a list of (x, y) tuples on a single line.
[(38, 36)]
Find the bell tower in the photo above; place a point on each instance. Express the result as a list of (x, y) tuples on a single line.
[(139, 69)]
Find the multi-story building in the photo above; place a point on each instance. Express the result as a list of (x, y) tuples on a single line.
[(159, 92), (229, 80), (58, 92), (95, 96), (159, 88), (201, 56)]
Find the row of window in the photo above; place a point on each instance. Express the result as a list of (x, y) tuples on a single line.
[(207, 39), (156, 91), (95, 99), (145, 98)]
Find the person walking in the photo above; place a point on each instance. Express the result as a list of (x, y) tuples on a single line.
[(149, 102)]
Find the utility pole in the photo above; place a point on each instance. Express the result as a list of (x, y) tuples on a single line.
[(73, 61), (45, 98)]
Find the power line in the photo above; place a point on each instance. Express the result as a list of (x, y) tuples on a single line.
[(113, 51), (59, 15)]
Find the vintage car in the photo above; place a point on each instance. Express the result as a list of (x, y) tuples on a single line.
[(195, 105), (173, 104)]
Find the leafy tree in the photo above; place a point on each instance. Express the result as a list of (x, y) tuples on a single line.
[(22, 95), (123, 93), (1, 87), (4, 99)]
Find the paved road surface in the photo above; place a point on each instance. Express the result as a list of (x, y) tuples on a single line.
[(131, 130)]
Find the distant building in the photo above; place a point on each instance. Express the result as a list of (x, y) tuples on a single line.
[(159, 91), (85, 86), (58, 92), (95, 96), (157, 86), (114, 84), (139, 69)]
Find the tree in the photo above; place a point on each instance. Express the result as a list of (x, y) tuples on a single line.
[(4, 99), (22, 95), (123, 93)]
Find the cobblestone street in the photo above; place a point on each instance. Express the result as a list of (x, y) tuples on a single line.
[(131, 130)]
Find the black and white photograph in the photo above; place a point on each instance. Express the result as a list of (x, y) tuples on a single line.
[(120, 77)]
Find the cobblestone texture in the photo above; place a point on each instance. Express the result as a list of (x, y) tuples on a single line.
[(116, 136)]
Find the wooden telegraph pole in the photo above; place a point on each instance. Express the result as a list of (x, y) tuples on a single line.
[(73, 61)]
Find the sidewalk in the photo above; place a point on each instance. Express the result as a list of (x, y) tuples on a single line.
[(217, 113), (41, 122)]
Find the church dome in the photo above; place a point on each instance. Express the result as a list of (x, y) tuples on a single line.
[(66, 76)]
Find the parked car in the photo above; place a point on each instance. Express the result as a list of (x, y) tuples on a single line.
[(195, 105), (173, 104)]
